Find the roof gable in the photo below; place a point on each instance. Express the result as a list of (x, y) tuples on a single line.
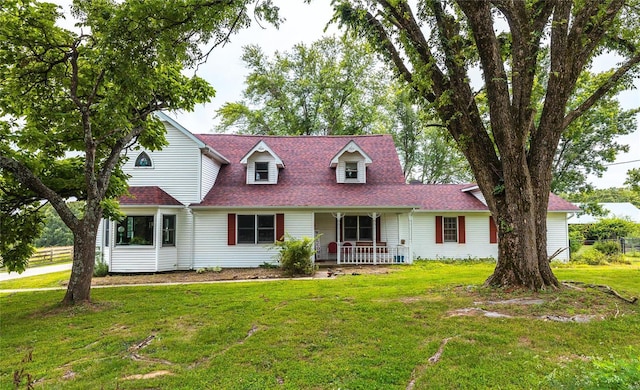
[(262, 147), (350, 147), (204, 148)]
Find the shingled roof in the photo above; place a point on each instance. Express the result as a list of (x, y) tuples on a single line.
[(148, 196), (309, 181)]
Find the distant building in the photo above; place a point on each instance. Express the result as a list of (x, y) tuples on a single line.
[(614, 210)]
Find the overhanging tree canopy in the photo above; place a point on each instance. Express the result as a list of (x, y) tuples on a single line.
[(70, 102), (510, 146)]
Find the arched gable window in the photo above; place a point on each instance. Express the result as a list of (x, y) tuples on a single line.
[(143, 160)]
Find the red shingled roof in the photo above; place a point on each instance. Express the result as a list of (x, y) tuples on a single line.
[(308, 180), (148, 196), (451, 197)]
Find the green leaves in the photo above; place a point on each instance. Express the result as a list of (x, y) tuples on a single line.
[(333, 86), (72, 101)]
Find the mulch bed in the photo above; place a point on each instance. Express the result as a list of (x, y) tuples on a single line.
[(228, 274)]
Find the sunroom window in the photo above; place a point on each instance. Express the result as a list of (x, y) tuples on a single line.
[(168, 230), (135, 230)]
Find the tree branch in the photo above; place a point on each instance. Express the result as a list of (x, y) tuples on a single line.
[(601, 91), (24, 176)]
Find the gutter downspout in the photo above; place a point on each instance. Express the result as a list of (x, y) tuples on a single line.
[(192, 250), (410, 254)]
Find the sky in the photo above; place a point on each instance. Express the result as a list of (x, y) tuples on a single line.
[(306, 23)]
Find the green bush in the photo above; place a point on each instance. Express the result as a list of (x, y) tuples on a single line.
[(591, 257), (608, 248), (611, 228), (101, 269), (576, 238), (295, 255)]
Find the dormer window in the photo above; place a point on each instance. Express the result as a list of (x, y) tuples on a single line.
[(143, 160), (351, 170), (262, 171), (263, 164), (351, 164)]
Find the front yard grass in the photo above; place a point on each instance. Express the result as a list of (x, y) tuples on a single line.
[(353, 332)]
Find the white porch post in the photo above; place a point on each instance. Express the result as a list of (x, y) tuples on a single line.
[(338, 216), (410, 254), (157, 237), (375, 255)]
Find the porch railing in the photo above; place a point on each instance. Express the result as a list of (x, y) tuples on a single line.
[(369, 255)]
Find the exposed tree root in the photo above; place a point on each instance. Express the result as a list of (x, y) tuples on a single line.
[(417, 372), (601, 287), (205, 359), (434, 359), (134, 355), (142, 344)]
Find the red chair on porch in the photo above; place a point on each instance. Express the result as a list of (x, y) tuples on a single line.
[(333, 248)]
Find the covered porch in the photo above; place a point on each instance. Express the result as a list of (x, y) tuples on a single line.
[(363, 237)]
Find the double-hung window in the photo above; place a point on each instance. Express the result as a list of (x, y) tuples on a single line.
[(450, 229), (256, 229), (168, 230), (262, 171), (358, 228), (351, 170)]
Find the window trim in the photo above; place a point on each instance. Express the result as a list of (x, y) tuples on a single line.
[(358, 228), (448, 230), (168, 231), (127, 231), (143, 155), (256, 229), (257, 172), (349, 170)]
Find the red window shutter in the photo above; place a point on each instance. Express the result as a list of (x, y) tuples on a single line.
[(462, 238), (378, 235), (439, 239), (231, 229), (493, 231), (279, 227)]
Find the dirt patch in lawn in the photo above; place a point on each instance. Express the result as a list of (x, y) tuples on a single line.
[(230, 274)]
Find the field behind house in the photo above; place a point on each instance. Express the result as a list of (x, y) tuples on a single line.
[(418, 327)]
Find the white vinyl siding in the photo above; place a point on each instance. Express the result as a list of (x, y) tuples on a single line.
[(153, 258), (210, 170), (211, 237), (176, 168), (251, 168), (476, 232), (557, 235), (133, 259), (477, 237), (342, 166)]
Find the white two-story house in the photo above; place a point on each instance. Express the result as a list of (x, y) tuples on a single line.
[(222, 200)]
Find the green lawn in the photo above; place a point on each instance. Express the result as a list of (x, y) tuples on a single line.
[(353, 332)]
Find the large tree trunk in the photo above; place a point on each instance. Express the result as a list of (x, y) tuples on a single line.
[(521, 216), (84, 254)]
